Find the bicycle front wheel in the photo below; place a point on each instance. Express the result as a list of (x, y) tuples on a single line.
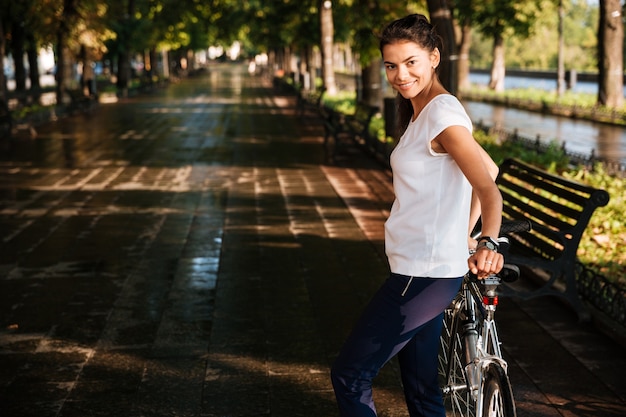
[(457, 396), (497, 395)]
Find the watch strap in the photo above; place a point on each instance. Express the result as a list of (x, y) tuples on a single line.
[(487, 242)]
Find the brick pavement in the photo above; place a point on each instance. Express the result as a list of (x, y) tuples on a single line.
[(189, 253)]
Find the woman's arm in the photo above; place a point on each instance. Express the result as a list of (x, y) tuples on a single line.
[(475, 208), (479, 170)]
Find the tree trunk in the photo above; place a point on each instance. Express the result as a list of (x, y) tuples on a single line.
[(63, 70), (464, 53), (560, 77), (498, 71), (327, 35), (17, 50), (610, 53), (33, 63), (311, 67), (123, 65), (151, 68), (60, 59), (303, 71), (287, 62), (3, 78), (372, 84), (441, 18), (123, 73), (165, 64)]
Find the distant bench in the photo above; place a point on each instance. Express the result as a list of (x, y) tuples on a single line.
[(559, 211), (346, 129), (310, 100), (80, 102)]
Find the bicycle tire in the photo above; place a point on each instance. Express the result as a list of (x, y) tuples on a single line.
[(497, 395), (457, 397)]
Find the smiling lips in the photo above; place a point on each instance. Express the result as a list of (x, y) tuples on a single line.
[(406, 86)]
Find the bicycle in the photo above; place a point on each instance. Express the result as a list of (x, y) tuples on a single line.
[(473, 374)]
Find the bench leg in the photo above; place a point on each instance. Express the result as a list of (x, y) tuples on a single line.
[(566, 291)]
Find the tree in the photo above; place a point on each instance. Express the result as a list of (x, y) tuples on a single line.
[(288, 30), (364, 19), (464, 44), (66, 22), (610, 54), (441, 17), (560, 78), (580, 29), (501, 18), (3, 80), (327, 34), (18, 30)]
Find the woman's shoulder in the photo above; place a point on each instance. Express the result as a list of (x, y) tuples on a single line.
[(447, 109), (446, 100), (445, 105)]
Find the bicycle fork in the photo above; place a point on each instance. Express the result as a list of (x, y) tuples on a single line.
[(481, 345), (471, 340)]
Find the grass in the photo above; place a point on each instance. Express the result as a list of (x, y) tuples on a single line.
[(579, 105)]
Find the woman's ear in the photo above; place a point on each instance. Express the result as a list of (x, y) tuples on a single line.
[(435, 58)]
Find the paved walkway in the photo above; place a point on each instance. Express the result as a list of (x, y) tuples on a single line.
[(189, 253)]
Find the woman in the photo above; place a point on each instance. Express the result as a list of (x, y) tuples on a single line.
[(443, 181)]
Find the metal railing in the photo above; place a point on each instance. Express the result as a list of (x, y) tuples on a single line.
[(606, 296), (536, 143)]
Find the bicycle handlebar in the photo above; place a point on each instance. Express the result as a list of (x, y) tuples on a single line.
[(515, 226), (509, 272)]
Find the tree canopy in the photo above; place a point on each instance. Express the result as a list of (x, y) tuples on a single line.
[(119, 30)]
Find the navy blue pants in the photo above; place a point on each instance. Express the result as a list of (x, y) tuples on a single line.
[(404, 317)]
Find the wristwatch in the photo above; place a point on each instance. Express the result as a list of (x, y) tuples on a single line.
[(487, 242)]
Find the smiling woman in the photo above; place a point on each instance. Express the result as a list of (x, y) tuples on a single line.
[(443, 181)]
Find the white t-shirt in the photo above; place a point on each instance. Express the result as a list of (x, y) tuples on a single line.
[(426, 232)]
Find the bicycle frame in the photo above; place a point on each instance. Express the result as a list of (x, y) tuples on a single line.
[(473, 375), (474, 329)]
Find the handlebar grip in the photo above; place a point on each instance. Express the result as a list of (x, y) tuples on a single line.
[(509, 273), (515, 226)]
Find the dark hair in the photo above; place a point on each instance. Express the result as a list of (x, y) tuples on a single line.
[(412, 28)]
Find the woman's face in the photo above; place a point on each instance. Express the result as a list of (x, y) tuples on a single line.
[(409, 67)]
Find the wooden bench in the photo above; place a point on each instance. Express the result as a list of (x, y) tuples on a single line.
[(310, 101), (559, 210), (346, 129), (80, 102)]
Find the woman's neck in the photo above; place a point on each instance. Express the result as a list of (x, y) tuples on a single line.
[(425, 96)]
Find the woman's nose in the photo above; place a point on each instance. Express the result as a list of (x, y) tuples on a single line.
[(402, 72)]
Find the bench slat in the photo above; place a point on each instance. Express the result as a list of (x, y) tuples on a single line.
[(514, 165), (535, 212), (534, 183), (541, 239), (531, 245)]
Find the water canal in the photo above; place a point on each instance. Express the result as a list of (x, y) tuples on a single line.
[(579, 136)]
